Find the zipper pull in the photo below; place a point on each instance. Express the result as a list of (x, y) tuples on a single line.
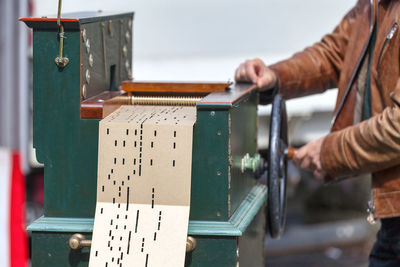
[(371, 218), (392, 31)]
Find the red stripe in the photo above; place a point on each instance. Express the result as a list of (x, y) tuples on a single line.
[(18, 236), (48, 19)]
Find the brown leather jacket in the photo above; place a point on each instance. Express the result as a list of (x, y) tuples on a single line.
[(372, 145)]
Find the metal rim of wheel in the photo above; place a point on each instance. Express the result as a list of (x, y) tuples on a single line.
[(277, 168)]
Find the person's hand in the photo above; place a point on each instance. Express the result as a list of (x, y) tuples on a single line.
[(257, 72), (308, 158)]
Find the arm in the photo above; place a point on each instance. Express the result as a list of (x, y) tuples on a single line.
[(318, 67), (369, 146)]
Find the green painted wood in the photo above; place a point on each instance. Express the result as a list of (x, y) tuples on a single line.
[(57, 224), (213, 252), (210, 168), (52, 249), (243, 140), (251, 244), (64, 143), (240, 220)]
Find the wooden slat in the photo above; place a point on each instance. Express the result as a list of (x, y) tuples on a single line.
[(173, 87), (92, 108)]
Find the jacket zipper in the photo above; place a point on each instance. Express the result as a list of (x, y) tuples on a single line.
[(388, 38), (371, 207)]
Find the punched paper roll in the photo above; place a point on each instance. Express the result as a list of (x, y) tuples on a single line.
[(143, 187)]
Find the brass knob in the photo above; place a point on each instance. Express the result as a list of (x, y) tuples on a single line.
[(78, 241), (190, 244)]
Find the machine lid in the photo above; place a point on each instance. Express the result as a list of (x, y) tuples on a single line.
[(72, 21), (229, 98)]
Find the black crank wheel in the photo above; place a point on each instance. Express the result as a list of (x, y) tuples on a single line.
[(277, 168)]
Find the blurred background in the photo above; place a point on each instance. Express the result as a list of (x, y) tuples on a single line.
[(180, 40)]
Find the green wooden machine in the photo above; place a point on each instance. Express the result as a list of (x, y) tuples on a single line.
[(79, 65)]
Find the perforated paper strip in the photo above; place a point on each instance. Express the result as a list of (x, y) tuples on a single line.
[(143, 187)]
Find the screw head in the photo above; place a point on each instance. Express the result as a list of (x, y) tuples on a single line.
[(130, 24), (84, 36), (87, 44), (88, 76), (84, 91), (125, 51), (90, 60)]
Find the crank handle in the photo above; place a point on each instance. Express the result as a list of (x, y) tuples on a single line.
[(290, 151)]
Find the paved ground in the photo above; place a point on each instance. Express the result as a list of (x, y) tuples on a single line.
[(354, 256)]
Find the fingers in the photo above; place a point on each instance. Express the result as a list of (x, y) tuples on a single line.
[(250, 71), (303, 160), (306, 161), (299, 155), (308, 158)]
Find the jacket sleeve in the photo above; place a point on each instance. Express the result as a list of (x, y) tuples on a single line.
[(369, 146), (317, 68)]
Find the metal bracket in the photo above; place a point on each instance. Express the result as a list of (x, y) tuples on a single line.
[(61, 61), (250, 163)]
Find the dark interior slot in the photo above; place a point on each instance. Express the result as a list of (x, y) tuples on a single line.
[(113, 82)]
